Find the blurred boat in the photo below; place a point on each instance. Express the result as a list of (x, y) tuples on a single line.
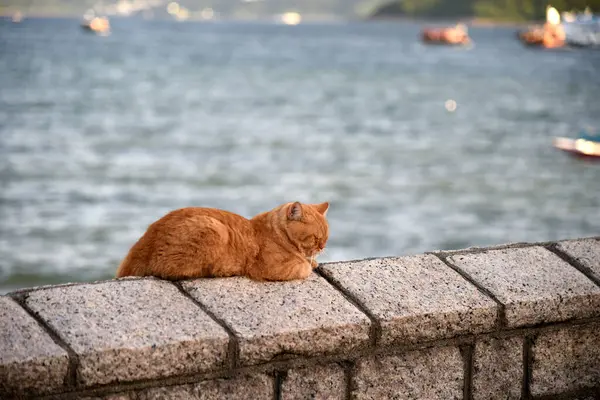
[(587, 145), (551, 35), (96, 25), (573, 29), (582, 29), (455, 36), (533, 36), (17, 17), (289, 18)]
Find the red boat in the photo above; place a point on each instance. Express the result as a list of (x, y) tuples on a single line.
[(97, 24), (449, 36), (581, 148)]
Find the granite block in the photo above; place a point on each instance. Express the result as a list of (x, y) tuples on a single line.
[(270, 319), (325, 382), (534, 284), (130, 330), (498, 368), (435, 373), (566, 360), (30, 361), (415, 298), (247, 387), (586, 251)]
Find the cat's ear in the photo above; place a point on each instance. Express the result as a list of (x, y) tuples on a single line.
[(322, 208), (294, 211)]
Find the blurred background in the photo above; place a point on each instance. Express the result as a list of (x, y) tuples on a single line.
[(113, 114)]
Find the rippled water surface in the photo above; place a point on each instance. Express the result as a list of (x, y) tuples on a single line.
[(100, 136)]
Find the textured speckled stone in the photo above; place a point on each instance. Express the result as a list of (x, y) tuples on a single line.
[(415, 298), (241, 388), (586, 251), (566, 360), (307, 317), (326, 382), (129, 330), (30, 361), (435, 373), (534, 284), (498, 369), (118, 396)]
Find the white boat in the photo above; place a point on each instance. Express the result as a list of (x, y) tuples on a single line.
[(581, 29)]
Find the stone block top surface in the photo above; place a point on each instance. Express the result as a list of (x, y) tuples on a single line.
[(25, 339), (586, 251), (30, 361), (415, 298), (534, 284), (132, 329), (305, 318)]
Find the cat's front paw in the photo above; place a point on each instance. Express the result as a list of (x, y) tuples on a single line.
[(313, 263)]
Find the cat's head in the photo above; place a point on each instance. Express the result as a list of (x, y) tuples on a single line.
[(306, 226)]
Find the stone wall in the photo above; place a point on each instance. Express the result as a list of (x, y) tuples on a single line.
[(509, 322)]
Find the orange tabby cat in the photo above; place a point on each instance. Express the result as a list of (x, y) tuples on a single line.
[(277, 245)]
